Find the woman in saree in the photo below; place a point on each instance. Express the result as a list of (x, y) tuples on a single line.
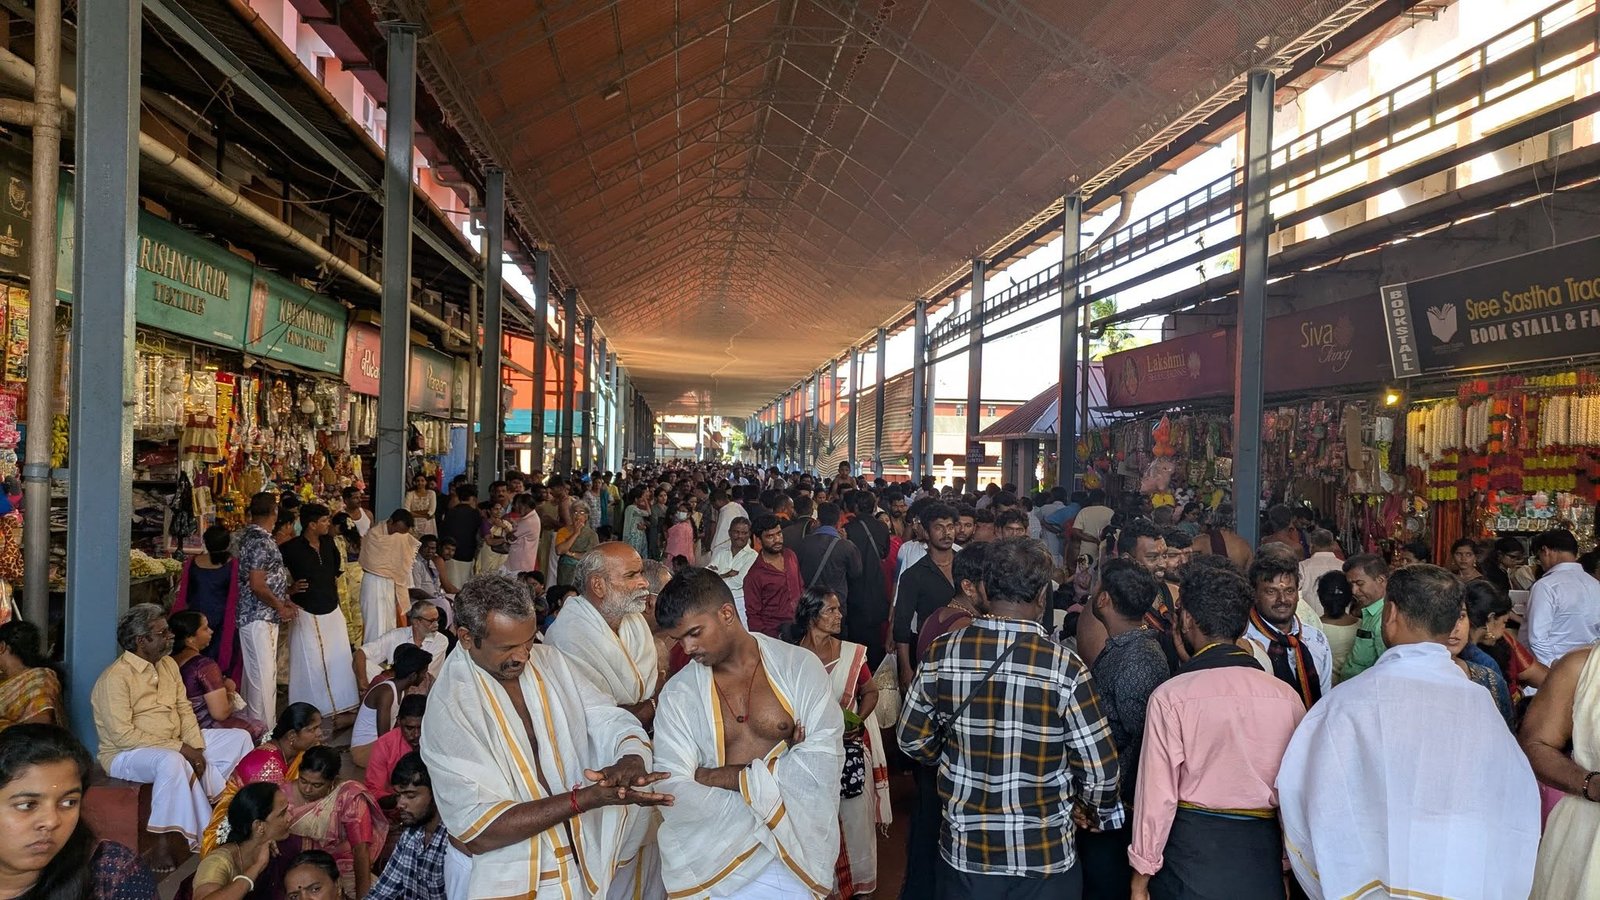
[(340, 817), (572, 542), (299, 728), (209, 691), (863, 806), (209, 585), (30, 691)]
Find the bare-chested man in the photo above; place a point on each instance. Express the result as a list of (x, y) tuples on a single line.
[(535, 771), (751, 738)]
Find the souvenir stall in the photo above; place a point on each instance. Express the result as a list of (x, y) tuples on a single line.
[(1327, 435), (1510, 455), (1515, 450)]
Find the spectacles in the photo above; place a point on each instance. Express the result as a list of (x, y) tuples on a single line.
[(433, 620)]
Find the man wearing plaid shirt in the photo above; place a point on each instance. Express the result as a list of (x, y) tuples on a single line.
[(1029, 751), (416, 869)]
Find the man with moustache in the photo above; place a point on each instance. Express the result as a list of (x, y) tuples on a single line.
[(415, 871)]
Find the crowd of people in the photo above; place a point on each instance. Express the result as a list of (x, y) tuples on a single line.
[(698, 681)]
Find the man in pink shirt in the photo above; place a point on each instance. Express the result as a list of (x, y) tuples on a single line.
[(1205, 821), (395, 743)]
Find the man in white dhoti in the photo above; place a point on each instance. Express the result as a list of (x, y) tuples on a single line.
[(606, 639), (535, 771), (319, 640), (752, 738), (387, 554), (1405, 781), (148, 731)]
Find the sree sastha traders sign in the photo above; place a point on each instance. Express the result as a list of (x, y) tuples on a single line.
[(1538, 306)]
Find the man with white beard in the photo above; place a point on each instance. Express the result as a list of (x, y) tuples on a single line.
[(606, 638)]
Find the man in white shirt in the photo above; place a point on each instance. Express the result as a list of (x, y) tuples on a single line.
[(727, 509), (1090, 522), (359, 517), (1373, 788), (1324, 558), (371, 658), (734, 561), (1564, 604)]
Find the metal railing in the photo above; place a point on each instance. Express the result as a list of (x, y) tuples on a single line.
[(1557, 40)]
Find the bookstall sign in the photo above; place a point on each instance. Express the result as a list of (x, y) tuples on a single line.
[(1538, 306)]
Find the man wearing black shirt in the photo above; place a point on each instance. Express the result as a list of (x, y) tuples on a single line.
[(319, 643), (868, 609), (926, 585), (462, 524), (1129, 669)]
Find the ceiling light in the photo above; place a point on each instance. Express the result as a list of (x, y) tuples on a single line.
[(612, 92), (1391, 397)]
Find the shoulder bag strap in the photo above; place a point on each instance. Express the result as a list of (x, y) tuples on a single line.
[(823, 563), (944, 727)]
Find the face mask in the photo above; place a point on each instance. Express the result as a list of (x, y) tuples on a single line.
[(680, 516)]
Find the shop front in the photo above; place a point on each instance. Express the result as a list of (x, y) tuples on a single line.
[(1502, 375)]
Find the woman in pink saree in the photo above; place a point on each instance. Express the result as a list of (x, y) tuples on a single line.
[(340, 817), (299, 728)]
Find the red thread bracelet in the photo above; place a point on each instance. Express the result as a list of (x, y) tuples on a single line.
[(575, 809)]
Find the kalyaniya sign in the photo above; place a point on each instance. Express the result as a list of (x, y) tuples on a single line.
[(1537, 306)]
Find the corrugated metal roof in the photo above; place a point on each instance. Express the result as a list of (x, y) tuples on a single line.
[(715, 173), (1041, 416)]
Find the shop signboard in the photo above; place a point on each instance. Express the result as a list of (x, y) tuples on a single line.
[(1327, 346), (290, 323), (362, 352), (16, 214), (1536, 306), (458, 391), (182, 283), (432, 381), (1187, 368)]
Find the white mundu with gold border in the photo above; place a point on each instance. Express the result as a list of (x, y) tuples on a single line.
[(721, 843), (482, 764)]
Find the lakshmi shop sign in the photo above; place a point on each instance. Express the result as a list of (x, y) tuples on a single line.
[(1537, 306), (1185, 368)]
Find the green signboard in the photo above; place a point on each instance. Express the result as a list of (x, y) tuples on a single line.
[(289, 323), (182, 283), (430, 383)]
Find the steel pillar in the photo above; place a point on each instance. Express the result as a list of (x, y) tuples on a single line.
[(919, 380), (99, 505), (929, 407), (1251, 323), (855, 415), (975, 371), (878, 400), (1067, 387), (587, 439), (569, 371), (491, 418), (389, 479), (541, 350), (42, 233), (833, 406), (816, 421)]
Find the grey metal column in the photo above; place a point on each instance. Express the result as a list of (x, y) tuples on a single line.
[(855, 415), (1247, 383), (42, 314), (491, 418), (929, 408), (587, 459), (919, 379), (816, 420), (980, 270), (1067, 387), (878, 400), (390, 478), (541, 350), (99, 506), (569, 370), (833, 407), (613, 421)]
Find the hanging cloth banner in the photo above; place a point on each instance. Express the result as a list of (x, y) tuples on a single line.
[(1538, 306)]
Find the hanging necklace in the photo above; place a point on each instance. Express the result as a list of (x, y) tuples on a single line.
[(747, 689), (961, 604)]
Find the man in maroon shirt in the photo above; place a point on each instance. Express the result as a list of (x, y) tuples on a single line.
[(772, 586)]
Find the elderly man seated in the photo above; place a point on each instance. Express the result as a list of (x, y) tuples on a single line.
[(148, 731), (377, 654)]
